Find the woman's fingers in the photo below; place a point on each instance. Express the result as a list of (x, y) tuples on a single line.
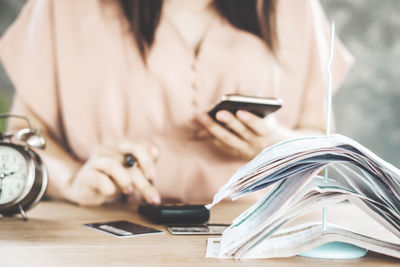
[(145, 188), (105, 186), (93, 188), (113, 168), (202, 134), (244, 134), (145, 154), (222, 134), (104, 175), (127, 179), (234, 124), (246, 153), (252, 121), (108, 162)]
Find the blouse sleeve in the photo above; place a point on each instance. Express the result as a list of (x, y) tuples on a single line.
[(314, 37), (27, 51)]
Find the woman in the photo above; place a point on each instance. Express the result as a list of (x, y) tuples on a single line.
[(106, 78)]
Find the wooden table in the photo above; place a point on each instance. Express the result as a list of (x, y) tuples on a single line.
[(55, 236)]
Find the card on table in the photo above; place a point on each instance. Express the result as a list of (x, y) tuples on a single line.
[(123, 228), (206, 229)]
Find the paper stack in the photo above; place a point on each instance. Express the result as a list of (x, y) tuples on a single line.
[(293, 167)]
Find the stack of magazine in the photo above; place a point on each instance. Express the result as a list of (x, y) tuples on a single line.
[(292, 168)]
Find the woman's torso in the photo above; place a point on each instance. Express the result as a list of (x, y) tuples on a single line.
[(105, 93)]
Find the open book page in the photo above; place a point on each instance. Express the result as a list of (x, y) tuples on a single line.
[(294, 240), (251, 222)]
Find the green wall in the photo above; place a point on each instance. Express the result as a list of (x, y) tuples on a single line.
[(5, 100)]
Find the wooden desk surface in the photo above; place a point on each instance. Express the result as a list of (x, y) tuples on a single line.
[(55, 236)]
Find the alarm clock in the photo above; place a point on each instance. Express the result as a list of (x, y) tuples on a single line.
[(23, 176)]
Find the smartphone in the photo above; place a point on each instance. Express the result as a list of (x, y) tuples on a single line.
[(260, 106)]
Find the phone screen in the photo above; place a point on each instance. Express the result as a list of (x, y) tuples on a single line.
[(256, 105)]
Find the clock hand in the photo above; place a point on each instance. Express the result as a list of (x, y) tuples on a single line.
[(4, 175)]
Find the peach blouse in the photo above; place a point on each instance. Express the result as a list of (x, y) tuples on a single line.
[(75, 64)]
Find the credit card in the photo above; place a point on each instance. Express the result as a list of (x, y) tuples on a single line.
[(123, 228)]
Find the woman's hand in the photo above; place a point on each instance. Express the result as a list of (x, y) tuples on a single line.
[(104, 176), (244, 135)]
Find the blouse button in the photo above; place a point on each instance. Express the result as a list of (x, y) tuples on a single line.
[(195, 66), (195, 85)]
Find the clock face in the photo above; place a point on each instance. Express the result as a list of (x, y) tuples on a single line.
[(13, 174)]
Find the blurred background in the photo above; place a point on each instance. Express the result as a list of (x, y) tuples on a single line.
[(367, 108)]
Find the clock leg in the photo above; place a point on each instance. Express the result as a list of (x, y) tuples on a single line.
[(22, 212)]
